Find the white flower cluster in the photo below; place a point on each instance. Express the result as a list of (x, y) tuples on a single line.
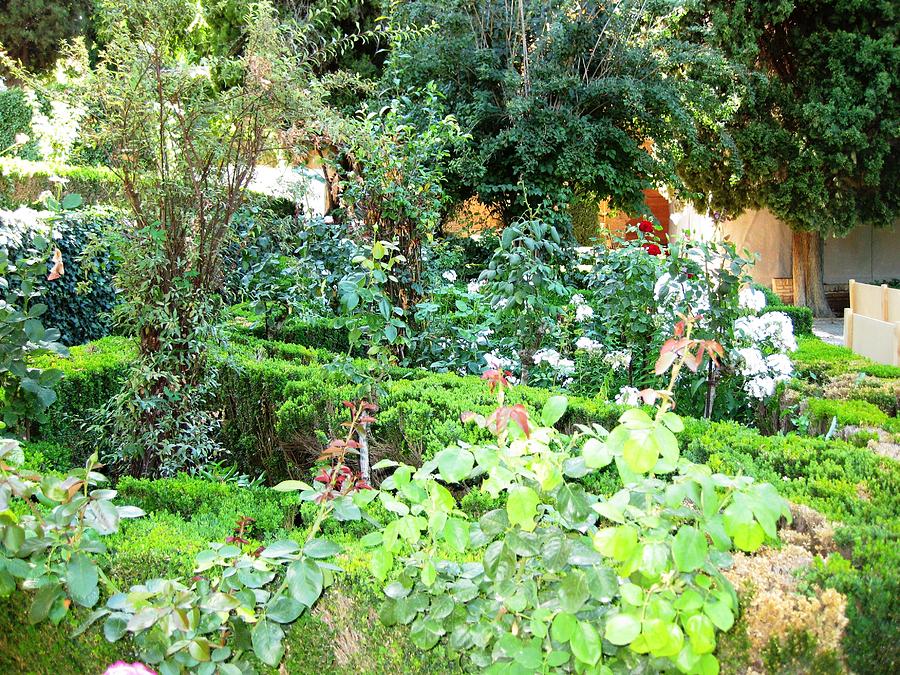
[(763, 373), (495, 361), (450, 275), (618, 360), (628, 396), (588, 344), (475, 286), (583, 311), (772, 328), (752, 299), (57, 132), (22, 223), (553, 359)]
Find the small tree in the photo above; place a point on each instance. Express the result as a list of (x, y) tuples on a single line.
[(815, 134), (186, 131)]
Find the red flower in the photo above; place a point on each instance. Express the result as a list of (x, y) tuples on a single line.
[(646, 227), (653, 249)]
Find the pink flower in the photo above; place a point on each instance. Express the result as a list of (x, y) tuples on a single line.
[(122, 668)]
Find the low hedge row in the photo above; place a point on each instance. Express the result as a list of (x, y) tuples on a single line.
[(341, 635), (280, 401)]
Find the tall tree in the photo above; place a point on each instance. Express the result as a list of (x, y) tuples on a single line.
[(560, 95), (32, 30), (817, 120)]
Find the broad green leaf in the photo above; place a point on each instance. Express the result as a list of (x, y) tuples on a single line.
[(456, 534), (380, 563), (283, 609), (553, 410), (81, 579), (292, 485), (521, 507), (701, 632), (618, 543), (426, 633), (622, 629), (689, 549), (573, 592), (267, 642), (563, 627), (585, 643), (321, 548), (305, 581), (720, 614), (455, 464), (596, 453)]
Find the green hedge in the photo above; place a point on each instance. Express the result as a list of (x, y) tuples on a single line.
[(21, 181), (278, 411), (801, 317), (15, 118), (80, 313)]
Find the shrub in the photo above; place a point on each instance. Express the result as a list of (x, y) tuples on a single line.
[(21, 181), (195, 498), (15, 118), (801, 317), (79, 302), (857, 413)]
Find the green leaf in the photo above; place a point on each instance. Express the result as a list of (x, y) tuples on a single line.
[(426, 633), (640, 452), (280, 548), (585, 643), (305, 581), (573, 592), (456, 534), (455, 464), (689, 549), (266, 639), (42, 602), (563, 627), (321, 548), (292, 485), (283, 609), (81, 580), (380, 563), (596, 454), (701, 632), (553, 410), (618, 543), (521, 507), (72, 201), (720, 614), (622, 629), (378, 250)]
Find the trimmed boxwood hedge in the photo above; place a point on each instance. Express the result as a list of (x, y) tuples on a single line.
[(279, 401)]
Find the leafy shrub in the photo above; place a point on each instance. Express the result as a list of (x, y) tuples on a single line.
[(801, 317), (79, 302), (194, 498), (21, 181), (15, 118), (857, 413)]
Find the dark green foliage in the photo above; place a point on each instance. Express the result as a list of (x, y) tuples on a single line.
[(79, 302), (92, 374), (797, 653), (44, 456), (32, 30), (801, 317), (815, 134), (15, 118), (595, 86)]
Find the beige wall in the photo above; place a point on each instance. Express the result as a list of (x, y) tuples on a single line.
[(866, 254)]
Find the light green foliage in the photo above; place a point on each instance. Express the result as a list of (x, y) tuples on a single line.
[(50, 551), (558, 567), (27, 388)]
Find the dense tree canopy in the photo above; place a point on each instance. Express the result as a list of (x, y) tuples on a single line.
[(31, 30), (561, 95), (817, 129)]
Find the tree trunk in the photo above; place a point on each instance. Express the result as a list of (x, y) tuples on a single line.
[(809, 289)]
